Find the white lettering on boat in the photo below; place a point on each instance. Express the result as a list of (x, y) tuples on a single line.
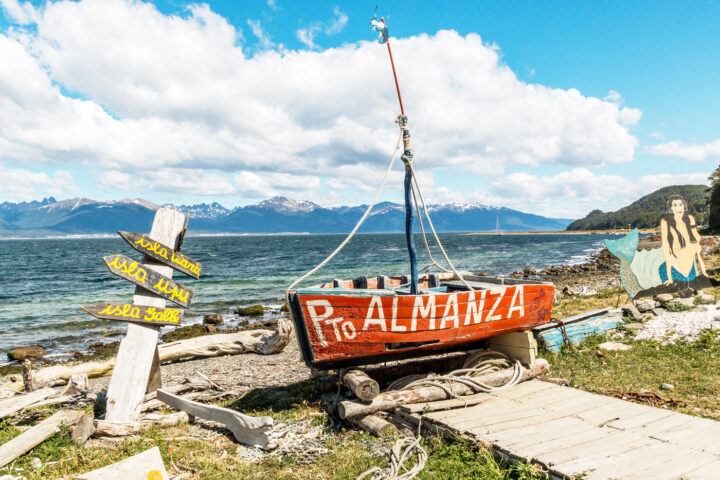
[(518, 303), (475, 309), (452, 303), (347, 329), (375, 303), (334, 322), (316, 319), (500, 293), (424, 311), (394, 327)]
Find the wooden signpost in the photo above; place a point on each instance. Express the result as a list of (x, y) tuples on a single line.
[(137, 367), (147, 278)]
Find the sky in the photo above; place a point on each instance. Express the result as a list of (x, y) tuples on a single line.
[(553, 108)]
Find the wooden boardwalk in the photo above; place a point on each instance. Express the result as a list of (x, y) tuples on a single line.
[(573, 433)]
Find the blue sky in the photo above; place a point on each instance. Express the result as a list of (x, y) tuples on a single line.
[(550, 107)]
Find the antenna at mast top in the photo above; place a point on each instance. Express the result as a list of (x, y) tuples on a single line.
[(384, 37)]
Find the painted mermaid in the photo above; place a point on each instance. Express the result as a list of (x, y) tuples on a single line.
[(680, 244), (677, 264)]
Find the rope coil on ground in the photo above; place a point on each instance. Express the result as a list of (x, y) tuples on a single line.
[(479, 363), (401, 452)]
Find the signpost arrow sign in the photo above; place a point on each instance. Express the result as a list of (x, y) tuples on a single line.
[(162, 253), (135, 313), (138, 274)]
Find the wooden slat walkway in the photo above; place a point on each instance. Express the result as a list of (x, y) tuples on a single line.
[(573, 433)]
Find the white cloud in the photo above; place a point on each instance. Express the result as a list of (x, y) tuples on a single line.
[(574, 193), (24, 185), (273, 4), (268, 184), (263, 38), (21, 13), (179, 93), (691, 152), (338, 24), (307, 35), (188, 181)]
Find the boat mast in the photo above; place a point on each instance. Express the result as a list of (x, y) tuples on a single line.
[(407, 157)]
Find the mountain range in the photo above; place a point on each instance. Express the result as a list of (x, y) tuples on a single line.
[(83, 216)]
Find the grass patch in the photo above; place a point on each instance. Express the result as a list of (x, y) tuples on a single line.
[(677, 307), (570, 305), (690, 366)]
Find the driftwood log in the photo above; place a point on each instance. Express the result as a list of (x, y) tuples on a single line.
[(252, 431), (364, 387), (36, 435), (264, 342), (390, 400), (376, 425)]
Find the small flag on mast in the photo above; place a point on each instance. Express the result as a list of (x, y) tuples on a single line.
[(381, 27)]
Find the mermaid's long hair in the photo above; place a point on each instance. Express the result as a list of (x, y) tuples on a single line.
[(670, 219)]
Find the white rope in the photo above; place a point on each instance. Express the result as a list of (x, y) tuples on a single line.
[(400, 453), (432, 228), (477, 364), (357, 226), (424, 237)]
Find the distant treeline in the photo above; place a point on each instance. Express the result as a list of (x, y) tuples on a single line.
[(646, 212)]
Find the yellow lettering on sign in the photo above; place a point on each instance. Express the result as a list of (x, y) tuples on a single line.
[(134, 270), (175, 293), (180, 260), (153, 247), (169, 315), (125, 310)]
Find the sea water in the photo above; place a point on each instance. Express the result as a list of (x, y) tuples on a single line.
[(44, 282)]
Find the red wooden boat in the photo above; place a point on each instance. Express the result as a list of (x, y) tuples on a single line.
[(376, 319)]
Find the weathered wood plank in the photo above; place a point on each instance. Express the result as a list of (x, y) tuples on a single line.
[(147, 465), (36, 435), (128, 312), (135, 357), (141, 275), (162, 253), (12, 405)]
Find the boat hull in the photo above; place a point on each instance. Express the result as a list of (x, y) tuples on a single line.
[(341, 328)]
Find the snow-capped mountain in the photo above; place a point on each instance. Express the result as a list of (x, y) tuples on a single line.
[(204, 210), (275, 215)]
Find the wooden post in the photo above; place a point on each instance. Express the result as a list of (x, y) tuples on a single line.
[(27, 375), (364, 387), (516, 345), (376, 425), (133, 366)]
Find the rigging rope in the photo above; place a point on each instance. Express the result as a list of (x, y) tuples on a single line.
[(422, 229), (354, 230), (432, 228), (400, 453)]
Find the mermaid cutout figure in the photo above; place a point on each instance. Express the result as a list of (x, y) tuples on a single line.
[(676, 265), (680, 244)]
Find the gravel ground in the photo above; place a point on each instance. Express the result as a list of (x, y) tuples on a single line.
[(672, 326), (249, 370)]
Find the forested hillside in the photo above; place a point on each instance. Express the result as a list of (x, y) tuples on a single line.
[(646, 212)]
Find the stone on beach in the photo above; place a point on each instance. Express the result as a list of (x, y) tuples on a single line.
[(614, 346), (35, 352), (688, 302), (631, 311), (672, 326), (664, 297), (645, 304), (213, 319)]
